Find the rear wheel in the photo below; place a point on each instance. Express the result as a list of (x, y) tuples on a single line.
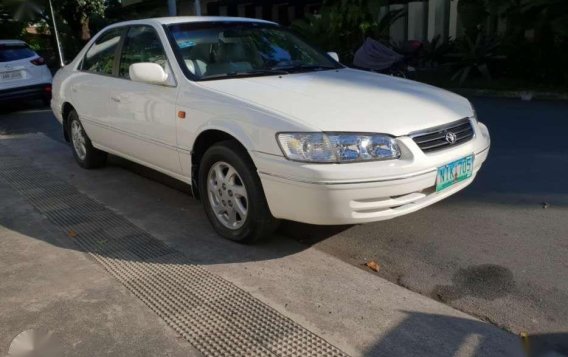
[(232, 195), (86, 155)]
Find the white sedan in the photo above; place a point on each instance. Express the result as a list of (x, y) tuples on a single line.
[(263, 125)]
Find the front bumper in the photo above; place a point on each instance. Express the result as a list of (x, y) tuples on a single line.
[(347, 194), (36, 91)]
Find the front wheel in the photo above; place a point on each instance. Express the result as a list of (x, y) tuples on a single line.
[(232, 194), (86, 155)]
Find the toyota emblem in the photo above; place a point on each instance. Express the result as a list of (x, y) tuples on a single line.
[(451, 138)]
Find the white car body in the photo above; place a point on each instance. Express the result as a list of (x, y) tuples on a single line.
[(140, 122), (25, 76)]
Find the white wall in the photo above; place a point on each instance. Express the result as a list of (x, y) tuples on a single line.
[(437, 18), (454, 29), (426, 20), (398, 28), (417, 20)]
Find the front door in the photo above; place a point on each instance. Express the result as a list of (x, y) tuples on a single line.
[(145, 114)]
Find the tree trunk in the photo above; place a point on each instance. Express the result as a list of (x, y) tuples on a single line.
[(85, 31)]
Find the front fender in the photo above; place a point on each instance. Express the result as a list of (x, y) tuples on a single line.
[(253, 127)]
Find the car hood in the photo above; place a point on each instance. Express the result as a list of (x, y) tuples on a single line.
[(349, 100)]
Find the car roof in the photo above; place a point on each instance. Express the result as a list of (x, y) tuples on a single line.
[(12, 42), (184, 19)]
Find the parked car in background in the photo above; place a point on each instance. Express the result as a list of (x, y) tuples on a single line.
[(264, 126), (23, 73)]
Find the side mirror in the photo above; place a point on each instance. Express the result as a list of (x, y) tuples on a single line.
[(147, 72), (333, 55)]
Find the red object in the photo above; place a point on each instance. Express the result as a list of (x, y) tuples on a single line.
[(38, 61), (415, 44), (181, 114), (47, 89)]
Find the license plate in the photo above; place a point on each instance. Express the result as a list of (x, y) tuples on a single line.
[(8, 76), (454, 172)]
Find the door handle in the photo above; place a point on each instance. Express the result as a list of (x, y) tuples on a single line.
[(115, 99)]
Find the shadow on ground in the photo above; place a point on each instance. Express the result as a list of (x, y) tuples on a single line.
[(461, 337), (29, 117)]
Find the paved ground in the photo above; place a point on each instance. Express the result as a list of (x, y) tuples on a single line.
[(492, 251), (47, 284), (349, 308)]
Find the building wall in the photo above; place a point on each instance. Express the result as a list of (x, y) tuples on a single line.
[(427, 19), (416, 11)]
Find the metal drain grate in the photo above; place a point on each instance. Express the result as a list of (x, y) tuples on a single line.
[(215, 316)]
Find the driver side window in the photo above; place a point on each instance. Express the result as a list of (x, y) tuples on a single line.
[(141, 44)]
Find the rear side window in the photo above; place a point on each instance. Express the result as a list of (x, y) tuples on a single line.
[(100, 57), (15, 52), (141, 44)]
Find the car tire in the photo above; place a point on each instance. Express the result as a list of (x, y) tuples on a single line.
[(86, 155), (232, 194)]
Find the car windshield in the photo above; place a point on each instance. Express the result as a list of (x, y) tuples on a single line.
[(229, 50), (14, 52)]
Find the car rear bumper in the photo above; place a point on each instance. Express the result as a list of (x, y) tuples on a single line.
[(36, 91)]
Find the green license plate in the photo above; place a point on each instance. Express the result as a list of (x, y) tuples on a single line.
[(454, 172)]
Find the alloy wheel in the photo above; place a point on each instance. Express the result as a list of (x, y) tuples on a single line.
[(78, 139), (227, 195)]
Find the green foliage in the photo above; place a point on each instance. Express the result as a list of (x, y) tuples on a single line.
[(537, 62), (548, 14), (77, 14), (539, 59), (473, 15), (9, 27), (474, 56), (501, 7), (435, 52), (343, 25)]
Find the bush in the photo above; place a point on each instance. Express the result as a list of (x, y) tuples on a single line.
[(474, 56), (343, 25), (537, 62)]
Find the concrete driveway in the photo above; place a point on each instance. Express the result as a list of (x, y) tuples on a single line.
[(492, 251), (498, 249)]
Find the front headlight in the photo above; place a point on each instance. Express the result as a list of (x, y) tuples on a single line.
[(337, 147)]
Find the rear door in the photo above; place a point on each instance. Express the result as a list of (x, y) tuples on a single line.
[(90, 86), (145, 114)]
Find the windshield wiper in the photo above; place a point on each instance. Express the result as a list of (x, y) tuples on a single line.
[(256, 72), (304, 67)]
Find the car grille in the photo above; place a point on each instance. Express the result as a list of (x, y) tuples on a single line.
[(441, 137)]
